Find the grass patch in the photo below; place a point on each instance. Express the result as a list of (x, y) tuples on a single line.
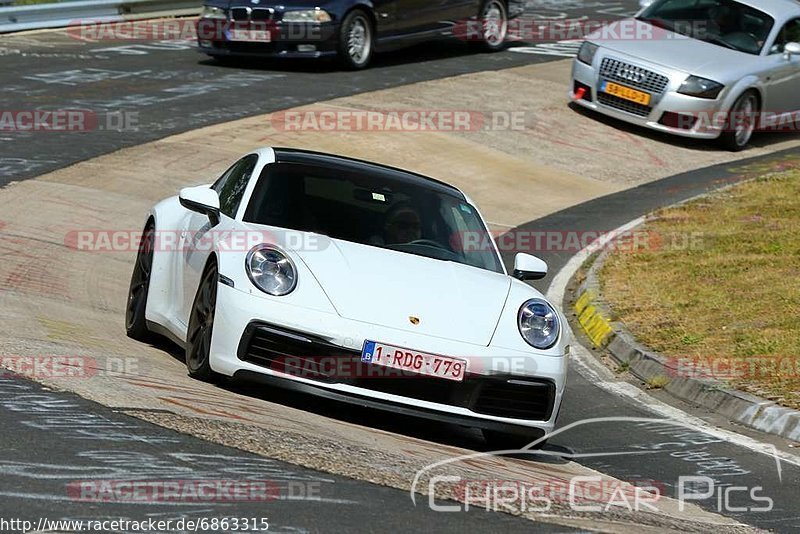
[(719, 283), (657, 382)]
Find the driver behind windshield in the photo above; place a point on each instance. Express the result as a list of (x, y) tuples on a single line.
[(403, 225), (726, 18)]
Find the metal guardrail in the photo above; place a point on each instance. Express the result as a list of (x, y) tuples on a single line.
[(62, 14)]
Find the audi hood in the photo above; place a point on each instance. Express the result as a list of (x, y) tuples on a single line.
[(660, 47)]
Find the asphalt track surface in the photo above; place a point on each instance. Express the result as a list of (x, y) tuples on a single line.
[(167, 87), (85, 454), (176, 90)]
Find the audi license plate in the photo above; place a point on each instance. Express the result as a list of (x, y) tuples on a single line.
[(414, 361), (626, 93)]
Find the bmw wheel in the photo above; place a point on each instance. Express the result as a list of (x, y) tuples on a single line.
[(493, 19), (741, 122), (135, 322), (201, 326), (355, 40)]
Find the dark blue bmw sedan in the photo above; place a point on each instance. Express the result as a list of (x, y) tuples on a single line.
[(353, 30)]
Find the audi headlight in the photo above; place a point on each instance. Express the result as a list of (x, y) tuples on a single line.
[(538, 323), (272, 271), (307, 15), (700, 87), (586, 52), (212, 12)]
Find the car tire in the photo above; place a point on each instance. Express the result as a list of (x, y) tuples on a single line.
[(356, 39), (201, 327), (505, 440), (736, 135), (493, 20), (135, 320)]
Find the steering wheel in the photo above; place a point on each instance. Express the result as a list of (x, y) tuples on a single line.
[(744, 41), (430, 243)]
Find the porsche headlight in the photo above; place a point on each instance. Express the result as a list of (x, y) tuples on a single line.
[(272, 271), (212, 12), (586, 52), (538, 323), (307, 15), (700, 87)]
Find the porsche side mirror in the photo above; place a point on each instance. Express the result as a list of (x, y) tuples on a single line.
[(201, 199), (645, 3), (791, 49), (527, 267)]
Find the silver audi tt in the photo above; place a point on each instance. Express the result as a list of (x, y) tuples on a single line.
[(707, 69)]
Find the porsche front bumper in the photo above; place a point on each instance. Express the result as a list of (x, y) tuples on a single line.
[(504, 390)]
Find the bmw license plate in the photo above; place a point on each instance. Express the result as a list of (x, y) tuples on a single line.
[(626, 93), (250, 36), (413, 361)]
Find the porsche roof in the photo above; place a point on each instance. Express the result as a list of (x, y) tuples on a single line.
[(307, 157)]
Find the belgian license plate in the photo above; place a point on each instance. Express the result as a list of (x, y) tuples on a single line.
[(640, 97), (414, 361), (250, 36)]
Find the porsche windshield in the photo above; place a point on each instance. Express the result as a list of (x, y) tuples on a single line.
[(721, 22), (376, 209)]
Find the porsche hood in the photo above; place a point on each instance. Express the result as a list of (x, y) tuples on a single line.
[(409, 292)]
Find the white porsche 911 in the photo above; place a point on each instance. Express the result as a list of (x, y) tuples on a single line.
[(356, 282)]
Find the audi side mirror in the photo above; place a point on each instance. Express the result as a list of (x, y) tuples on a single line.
[(791, 49)]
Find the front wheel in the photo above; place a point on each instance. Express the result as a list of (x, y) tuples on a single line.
[(740, 123), (135, 321), (201, 326), (355, 40), (493, 20)]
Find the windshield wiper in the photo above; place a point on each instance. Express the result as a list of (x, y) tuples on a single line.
[(718, 41), (657, 22)]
